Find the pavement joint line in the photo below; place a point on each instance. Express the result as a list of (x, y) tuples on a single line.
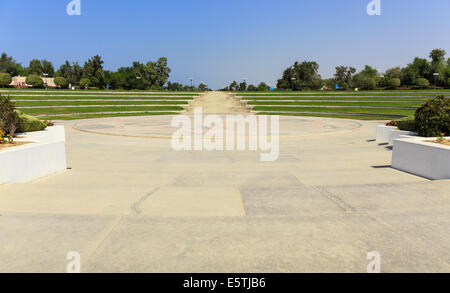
[(102, 240), (135, 206), (346, 207), (411, 241), (242, 203)]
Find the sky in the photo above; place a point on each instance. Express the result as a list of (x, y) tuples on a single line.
[(218, 41)]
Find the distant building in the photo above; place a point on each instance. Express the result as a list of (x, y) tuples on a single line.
[(20, 82)]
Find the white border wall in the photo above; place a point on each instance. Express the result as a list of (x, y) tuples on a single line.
[(418, 156), (44, 155)]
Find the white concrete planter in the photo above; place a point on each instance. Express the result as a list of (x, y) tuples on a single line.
[(394, 134), (46, 154), (383, 132), (417, 156)]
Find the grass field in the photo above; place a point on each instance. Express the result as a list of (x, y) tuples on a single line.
[(374, 105), (66, 104), (80, 104)]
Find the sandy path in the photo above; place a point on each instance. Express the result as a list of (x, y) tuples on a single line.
[(218, 103)]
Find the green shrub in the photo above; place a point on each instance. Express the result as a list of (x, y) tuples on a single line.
[(394, 83), (8, 116), (369, 84), (35, 81), (84, 83), (5, 79), (422, 83), (407, 123), (61, 81), (433, 118), (28, 123)]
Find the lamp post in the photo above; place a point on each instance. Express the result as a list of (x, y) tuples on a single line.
[(191, 79), (292, 82), (436, 74)]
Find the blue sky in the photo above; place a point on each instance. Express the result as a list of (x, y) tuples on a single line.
[(220, 41)]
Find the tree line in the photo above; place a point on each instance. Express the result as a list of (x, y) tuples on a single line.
[(153, 75), (419, 74)]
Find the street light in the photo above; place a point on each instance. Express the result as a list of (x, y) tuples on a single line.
[(191, 79), (436, 74), (293, 80)]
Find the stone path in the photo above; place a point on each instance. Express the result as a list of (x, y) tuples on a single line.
[(218, 103)]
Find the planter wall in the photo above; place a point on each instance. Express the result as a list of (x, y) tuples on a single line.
[(44, 156), (394, 134), (422, 158), (383, 132)]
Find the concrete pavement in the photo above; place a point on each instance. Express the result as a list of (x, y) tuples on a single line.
[(129, 203)]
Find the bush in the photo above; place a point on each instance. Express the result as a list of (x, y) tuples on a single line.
[(8, 116), (27, 123), (394, 83), (422, 83), (407, 124), (369, 84), (61, 81), (84, 83), (433, 118), (392, 123), (35, 81), (5, 79)]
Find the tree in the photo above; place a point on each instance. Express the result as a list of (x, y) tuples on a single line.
[(93, 70), (72, 73), (234, 86), (35, 67), (5, 79), (369, 84), (301, 76), (153, 75), (366, 79), (262, 87), (437, 56), (438, 65), (175, 86), (394, 73), (203, 87), (35, 81), (8, 116), (9, 65), (61, 81), (252, 88), (243, 86), (47, 68), (343, 76)]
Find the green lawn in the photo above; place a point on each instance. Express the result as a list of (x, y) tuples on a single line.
[(81, 103), (381, 112), (82, 110), (343, 104)]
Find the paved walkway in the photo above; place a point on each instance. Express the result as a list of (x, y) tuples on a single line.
[(218, 103), (132, 204)]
